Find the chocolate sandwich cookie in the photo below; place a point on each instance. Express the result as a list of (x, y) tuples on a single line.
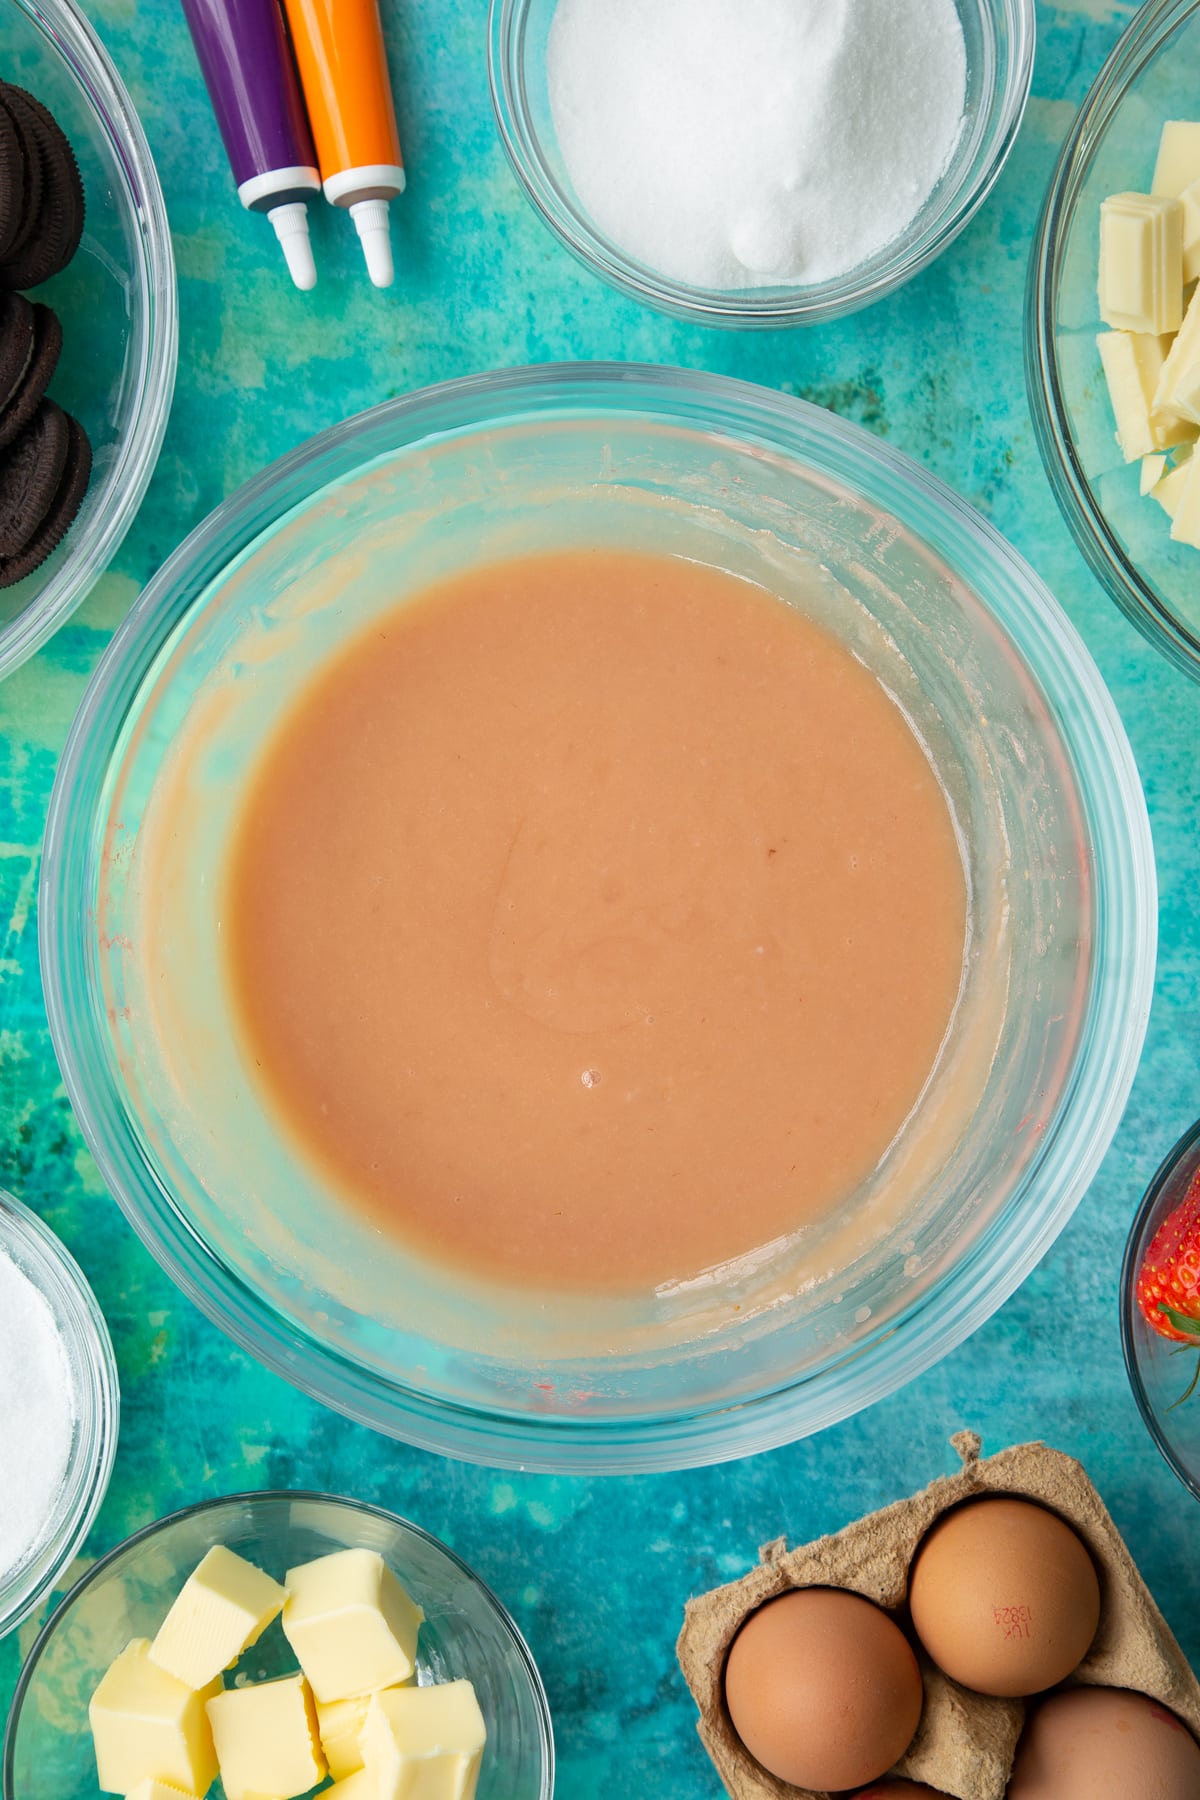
[(30, 472), (53, 237), (17, 337), (13, 182), (40, 364), (26, 128), (68, 498)]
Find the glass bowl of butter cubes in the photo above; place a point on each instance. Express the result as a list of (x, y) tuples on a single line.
[(1113, 328), (272, 1645)]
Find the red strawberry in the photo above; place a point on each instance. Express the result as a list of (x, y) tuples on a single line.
[(1168, 1284)]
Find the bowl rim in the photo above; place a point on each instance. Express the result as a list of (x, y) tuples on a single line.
[(1137, 598), (523, 1656), (1185, 1148), (1073, 1145), (63, 24), (98, 1413), (775, 307)]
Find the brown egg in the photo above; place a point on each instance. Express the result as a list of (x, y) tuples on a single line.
[(1004, 1597), (1092, 1742), (823, 1688), (900, 1790)]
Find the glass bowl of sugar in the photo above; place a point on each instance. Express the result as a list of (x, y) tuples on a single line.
[(58, 1401), (755, 162)]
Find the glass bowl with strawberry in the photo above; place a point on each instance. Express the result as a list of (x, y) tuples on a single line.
[(1160, 1308)]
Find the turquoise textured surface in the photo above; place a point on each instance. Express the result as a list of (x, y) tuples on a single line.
[(596, 1572)]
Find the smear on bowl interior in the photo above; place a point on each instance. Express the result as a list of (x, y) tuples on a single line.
[(593, 919)]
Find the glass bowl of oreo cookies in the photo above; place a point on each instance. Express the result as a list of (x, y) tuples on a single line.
[(88, 317)]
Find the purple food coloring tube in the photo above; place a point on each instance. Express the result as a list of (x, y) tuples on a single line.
[(247, 65)]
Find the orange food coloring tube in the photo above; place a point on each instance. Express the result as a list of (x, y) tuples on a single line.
[(343, 69)]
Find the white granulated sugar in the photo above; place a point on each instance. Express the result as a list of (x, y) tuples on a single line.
[(37, 1416), (749, 143)]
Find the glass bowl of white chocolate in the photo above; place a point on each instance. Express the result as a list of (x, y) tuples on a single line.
[(279, 1643), (1113, 328)]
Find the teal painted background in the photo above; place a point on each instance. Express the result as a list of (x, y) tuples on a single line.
[(596, 1572)]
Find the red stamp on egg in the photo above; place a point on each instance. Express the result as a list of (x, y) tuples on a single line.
[(1014, 1621)]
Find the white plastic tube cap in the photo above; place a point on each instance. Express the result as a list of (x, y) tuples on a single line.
[(372, 224), (291, 228)]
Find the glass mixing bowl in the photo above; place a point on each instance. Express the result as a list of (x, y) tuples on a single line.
[(1000, 37), (1161, 1370), (1026, 1093), (96, 1406), (1150, 77), (467, 1634), (116, 300)]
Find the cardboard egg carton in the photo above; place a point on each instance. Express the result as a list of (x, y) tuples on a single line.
[(965, 1742)]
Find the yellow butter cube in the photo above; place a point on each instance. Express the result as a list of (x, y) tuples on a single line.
[(1178, 163), (359, 1786), (223, 1607), (159, 1790), (266, 1739), (1185, 523), (351, 1624), (340, 1723), (425, 1743), (1141, 263), (148, 1726)]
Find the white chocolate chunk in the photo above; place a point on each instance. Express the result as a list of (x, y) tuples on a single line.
[(359, 1786), (1153, 470), (351, 1624), (1178, 164), (159, 1790), (1185, 394), (1185, 523), (223, 1607), (425, 1743), (146, 1725), (1141, 263), (1176, 389), (266, 1739), (1189, 200), (1169, 491), (1133, 367)]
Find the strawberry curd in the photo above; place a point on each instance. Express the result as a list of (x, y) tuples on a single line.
[(595, 919)]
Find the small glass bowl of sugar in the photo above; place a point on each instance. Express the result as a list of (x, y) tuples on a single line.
[(59, 1407), (759, 162)]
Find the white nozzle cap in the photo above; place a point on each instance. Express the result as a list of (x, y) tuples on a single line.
[(291, 228), (371, 219)]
